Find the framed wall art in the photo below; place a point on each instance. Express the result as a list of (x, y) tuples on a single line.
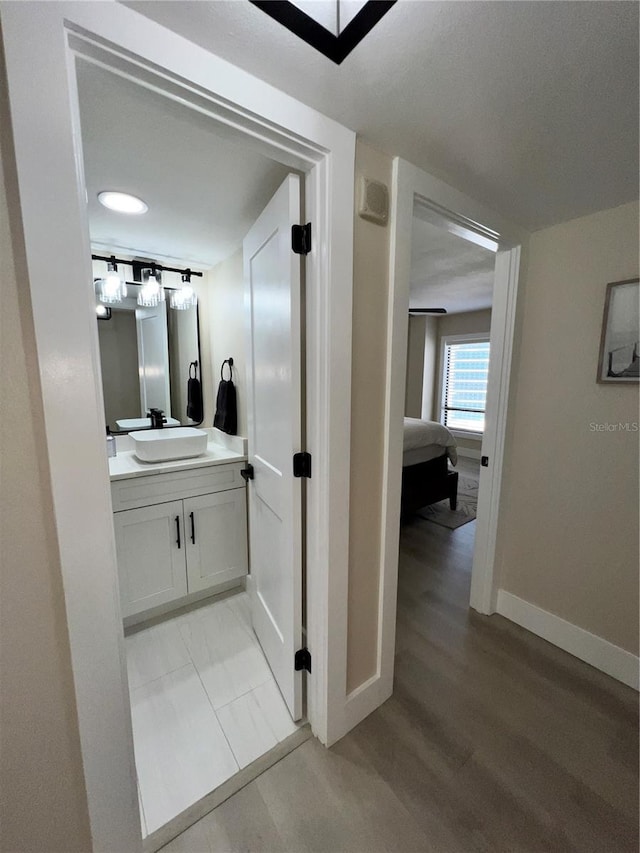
[(619, 357)]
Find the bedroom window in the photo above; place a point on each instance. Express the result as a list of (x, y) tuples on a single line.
[(464, 384)]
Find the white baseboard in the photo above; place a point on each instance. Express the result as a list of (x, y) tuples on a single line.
[(469, 452), (603, 655)]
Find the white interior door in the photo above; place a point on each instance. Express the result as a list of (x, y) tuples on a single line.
[(272, 298), (153, 359)]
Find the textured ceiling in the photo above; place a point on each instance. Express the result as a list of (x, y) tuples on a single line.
[(531, 107), (448, 271), (204, 192)]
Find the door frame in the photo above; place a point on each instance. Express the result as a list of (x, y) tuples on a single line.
[(411, 188), (42, 41)]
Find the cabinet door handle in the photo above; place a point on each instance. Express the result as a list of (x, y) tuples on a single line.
[(178, 530), (193, 528)]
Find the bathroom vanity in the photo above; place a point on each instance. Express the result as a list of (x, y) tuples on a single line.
[(180, 528)]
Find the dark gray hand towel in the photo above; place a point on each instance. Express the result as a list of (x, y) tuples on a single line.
[(194, 395), (226, 417)]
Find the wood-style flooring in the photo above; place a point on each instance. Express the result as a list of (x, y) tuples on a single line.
[(494, 740)]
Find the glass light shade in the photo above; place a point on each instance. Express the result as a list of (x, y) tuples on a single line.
[(184, 298), (112, 288), (151, 292)]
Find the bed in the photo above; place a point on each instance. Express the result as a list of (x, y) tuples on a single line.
[(426, 479)]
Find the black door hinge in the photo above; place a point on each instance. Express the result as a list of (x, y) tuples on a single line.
[(302, 465), (247, 473), (301, 239), (303, 660), (484, 461)]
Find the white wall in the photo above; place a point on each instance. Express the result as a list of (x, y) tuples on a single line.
[(422, 348), (43, 805), (466, 323), (568, 535), (415, 367), (429, 380), (226, 332)]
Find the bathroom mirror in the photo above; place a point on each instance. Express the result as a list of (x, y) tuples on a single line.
[(147, 356)]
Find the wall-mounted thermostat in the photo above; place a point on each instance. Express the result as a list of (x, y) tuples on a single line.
[(373, 201)]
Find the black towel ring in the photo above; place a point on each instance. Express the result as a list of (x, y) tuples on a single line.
[(228, 361)]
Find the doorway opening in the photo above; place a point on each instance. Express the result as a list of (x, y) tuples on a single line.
[(448, 353), (212, 610), (424, 205)]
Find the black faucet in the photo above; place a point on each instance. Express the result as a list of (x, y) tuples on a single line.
[(157, 418)]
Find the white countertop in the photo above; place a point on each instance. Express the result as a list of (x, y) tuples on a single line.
[(126, 464)]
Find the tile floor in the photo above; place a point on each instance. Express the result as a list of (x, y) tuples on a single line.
[(203, 704)]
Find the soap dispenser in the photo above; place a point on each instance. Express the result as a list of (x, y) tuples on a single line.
[(111, 444)]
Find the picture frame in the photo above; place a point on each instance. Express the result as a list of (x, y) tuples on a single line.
[(619, 360)]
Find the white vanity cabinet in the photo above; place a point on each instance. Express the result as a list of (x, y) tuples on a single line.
[(216, 528), (179, 533), (151, 559)]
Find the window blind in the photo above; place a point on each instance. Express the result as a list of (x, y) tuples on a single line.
[(465, 385)]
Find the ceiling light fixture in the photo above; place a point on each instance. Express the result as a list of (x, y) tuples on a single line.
[(122, 202), (113, 287), (184, 297)]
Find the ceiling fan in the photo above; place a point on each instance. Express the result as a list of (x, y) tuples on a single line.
[(427, 310)]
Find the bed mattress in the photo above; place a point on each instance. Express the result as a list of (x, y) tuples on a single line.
[(425, 440)]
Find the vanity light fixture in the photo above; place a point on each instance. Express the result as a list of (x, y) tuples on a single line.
[(184, 297), (151, 291), (113, 287), (103, 312), (122, 202), (147, 274)]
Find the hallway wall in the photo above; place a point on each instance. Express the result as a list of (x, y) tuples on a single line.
[(43, 803), (568, 537)]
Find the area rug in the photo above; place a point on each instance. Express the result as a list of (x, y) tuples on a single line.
[(467, 506)]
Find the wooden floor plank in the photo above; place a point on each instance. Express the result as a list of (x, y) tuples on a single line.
[(494, 740)]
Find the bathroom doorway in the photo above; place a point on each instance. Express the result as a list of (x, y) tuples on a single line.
[(63, 309), (212, 616)]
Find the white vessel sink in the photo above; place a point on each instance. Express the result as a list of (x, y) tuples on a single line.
[(162, 445)]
